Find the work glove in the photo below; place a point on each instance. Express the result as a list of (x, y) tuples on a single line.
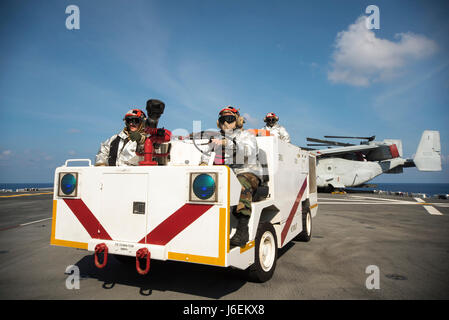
[(136, 136), (160, 132)]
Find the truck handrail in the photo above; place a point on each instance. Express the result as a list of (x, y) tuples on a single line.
[(75, 160)]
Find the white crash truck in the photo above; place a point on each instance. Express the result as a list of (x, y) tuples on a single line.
[(178, 210)]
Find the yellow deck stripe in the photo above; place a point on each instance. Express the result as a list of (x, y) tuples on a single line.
[(25, 195)]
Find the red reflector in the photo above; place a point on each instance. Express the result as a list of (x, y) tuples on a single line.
[(394, 151)]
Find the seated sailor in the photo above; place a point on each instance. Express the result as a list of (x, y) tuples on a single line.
[(238, 149)]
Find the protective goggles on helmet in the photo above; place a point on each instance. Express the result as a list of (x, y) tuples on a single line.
[(133, 120), (227, 118)]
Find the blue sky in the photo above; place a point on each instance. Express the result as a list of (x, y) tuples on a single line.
[(63, 92)]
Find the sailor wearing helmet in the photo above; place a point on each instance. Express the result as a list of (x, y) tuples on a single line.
[(120, 149), (237, 149), (275, 128)]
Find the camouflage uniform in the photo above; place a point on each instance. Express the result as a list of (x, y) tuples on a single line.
[(249, 183)]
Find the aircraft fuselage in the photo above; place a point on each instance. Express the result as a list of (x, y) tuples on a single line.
[(340, 173)]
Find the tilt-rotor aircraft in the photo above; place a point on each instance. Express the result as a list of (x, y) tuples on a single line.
[(349, 165)]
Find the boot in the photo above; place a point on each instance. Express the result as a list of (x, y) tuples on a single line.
[(241, 235)]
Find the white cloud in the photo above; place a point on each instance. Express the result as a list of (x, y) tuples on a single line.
[(361, 58)]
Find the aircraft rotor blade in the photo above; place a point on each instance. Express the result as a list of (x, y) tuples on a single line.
[(332, 143), (345, 137), (307, 149)]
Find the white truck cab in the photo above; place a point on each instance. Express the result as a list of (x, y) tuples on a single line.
[(182, 211)]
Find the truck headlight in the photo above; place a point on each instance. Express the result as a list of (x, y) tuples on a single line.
[(68, 184), (203, 187)]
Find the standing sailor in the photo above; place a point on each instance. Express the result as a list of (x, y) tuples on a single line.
[(120, 149), (275, 128)]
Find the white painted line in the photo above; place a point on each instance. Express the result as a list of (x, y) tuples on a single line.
[(380, 199), (377, 200), (359, 198), (433, 211), (378, 203), (353, 203), (347, 200), (37, 221), (430, 209)]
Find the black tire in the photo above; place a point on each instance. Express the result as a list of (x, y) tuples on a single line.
[(306, 233), (266, 241)]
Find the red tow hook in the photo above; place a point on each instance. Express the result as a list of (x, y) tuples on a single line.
[(101, 247), (141, 254)]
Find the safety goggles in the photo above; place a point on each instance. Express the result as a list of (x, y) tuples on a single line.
[(271, 120), (227, 118), (135, 121)]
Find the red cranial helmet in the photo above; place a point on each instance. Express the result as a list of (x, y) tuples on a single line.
[(271, 116), (135, 113), (136, 117), (229, 109)]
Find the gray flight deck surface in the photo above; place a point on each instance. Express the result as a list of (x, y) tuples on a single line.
[(407, 241)]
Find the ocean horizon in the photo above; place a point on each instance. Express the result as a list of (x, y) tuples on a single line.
[(429, 189), (15, 186)]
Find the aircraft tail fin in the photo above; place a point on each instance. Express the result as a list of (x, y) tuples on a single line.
[(428, 153)]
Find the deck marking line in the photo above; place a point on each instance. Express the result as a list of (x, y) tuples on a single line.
[(23, 224), (430, 209), (26, 195)]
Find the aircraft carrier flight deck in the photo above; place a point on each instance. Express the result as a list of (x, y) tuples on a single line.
[(404, 239)]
